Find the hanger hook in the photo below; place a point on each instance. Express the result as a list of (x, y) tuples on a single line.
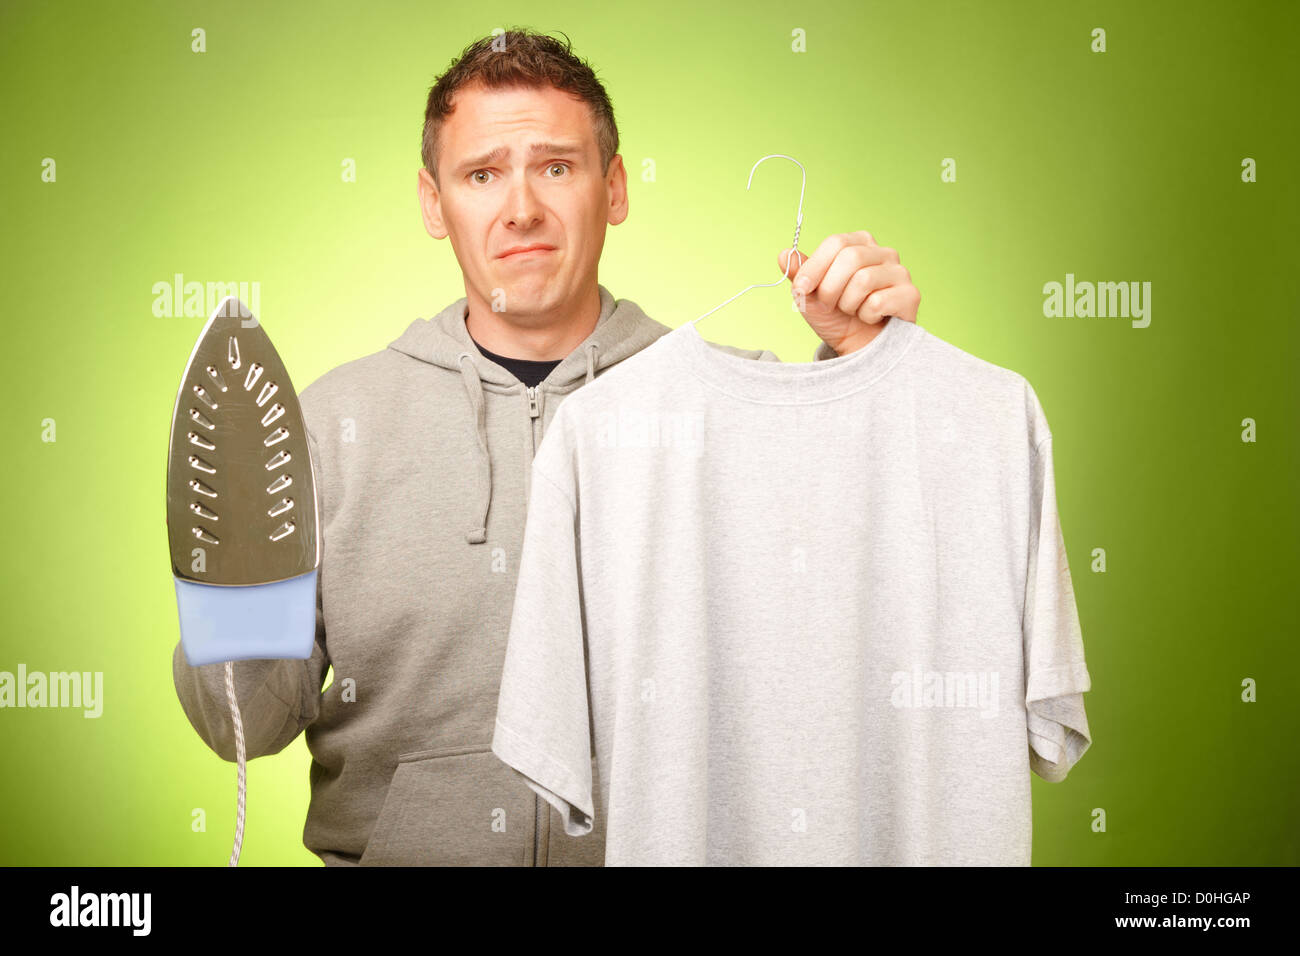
[(798, 224), (798, 219)]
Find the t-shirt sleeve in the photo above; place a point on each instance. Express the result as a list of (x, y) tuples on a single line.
[(1056, 676), (543, 729)]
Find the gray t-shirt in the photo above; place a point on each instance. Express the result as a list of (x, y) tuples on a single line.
[(797, 613)]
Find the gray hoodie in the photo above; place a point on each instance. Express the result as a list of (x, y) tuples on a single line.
[(423, 454)]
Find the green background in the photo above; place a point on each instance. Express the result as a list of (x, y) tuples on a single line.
[(1118, 166)]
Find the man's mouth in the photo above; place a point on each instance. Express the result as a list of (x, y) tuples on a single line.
[(533, 251)]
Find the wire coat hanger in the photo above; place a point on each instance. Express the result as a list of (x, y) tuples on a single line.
[(798, 224)]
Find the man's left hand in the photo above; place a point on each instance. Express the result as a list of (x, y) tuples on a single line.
[(848, 286)]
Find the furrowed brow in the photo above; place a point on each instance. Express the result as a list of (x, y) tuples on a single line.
[(536, 149)]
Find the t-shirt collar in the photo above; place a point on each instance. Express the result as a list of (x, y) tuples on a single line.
[(795, 383)]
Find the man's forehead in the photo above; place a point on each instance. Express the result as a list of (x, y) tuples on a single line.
[(490, 131), (535, 149)]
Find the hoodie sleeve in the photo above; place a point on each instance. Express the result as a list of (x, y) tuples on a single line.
[(1056, 675), (277, 698), (542, 728)]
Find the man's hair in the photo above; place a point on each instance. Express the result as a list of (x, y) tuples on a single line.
[(518, 58)]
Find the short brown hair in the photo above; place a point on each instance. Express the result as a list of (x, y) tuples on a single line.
[(531, 60)]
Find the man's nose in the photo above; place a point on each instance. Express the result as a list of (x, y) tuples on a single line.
[(522, 208)]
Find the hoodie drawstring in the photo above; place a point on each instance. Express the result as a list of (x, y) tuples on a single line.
[(475, 389)]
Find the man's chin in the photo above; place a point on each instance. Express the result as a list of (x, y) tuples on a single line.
[(525, 294), (524, 279)]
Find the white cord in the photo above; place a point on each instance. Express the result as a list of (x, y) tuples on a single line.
[(239, 757)]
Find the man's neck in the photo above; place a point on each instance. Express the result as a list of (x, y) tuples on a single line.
[(539, 338)]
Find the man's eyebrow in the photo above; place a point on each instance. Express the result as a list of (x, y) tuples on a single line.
[(496, 155)]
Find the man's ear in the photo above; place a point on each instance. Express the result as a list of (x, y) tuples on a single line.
[(616, 184), (430, 207)]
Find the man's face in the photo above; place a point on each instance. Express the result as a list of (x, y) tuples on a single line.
[(500, 192)]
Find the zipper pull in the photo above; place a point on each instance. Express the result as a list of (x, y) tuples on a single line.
[(532, 402)]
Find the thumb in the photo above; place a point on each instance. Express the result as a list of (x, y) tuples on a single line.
[(790, 261)]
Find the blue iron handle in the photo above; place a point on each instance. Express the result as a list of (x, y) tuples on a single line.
[(247, 622)]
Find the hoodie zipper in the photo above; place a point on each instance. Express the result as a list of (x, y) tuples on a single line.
[(538, 802), (534, 413)]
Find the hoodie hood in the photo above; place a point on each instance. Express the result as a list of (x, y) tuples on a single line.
[(621, 331)]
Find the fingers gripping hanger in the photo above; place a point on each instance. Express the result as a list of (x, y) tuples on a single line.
[(798, 224)]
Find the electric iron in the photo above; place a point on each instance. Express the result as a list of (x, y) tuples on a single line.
[(242, 512)]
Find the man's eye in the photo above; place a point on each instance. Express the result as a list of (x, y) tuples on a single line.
[(564, 166)]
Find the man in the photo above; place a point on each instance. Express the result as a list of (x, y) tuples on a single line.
[(423, 454)]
